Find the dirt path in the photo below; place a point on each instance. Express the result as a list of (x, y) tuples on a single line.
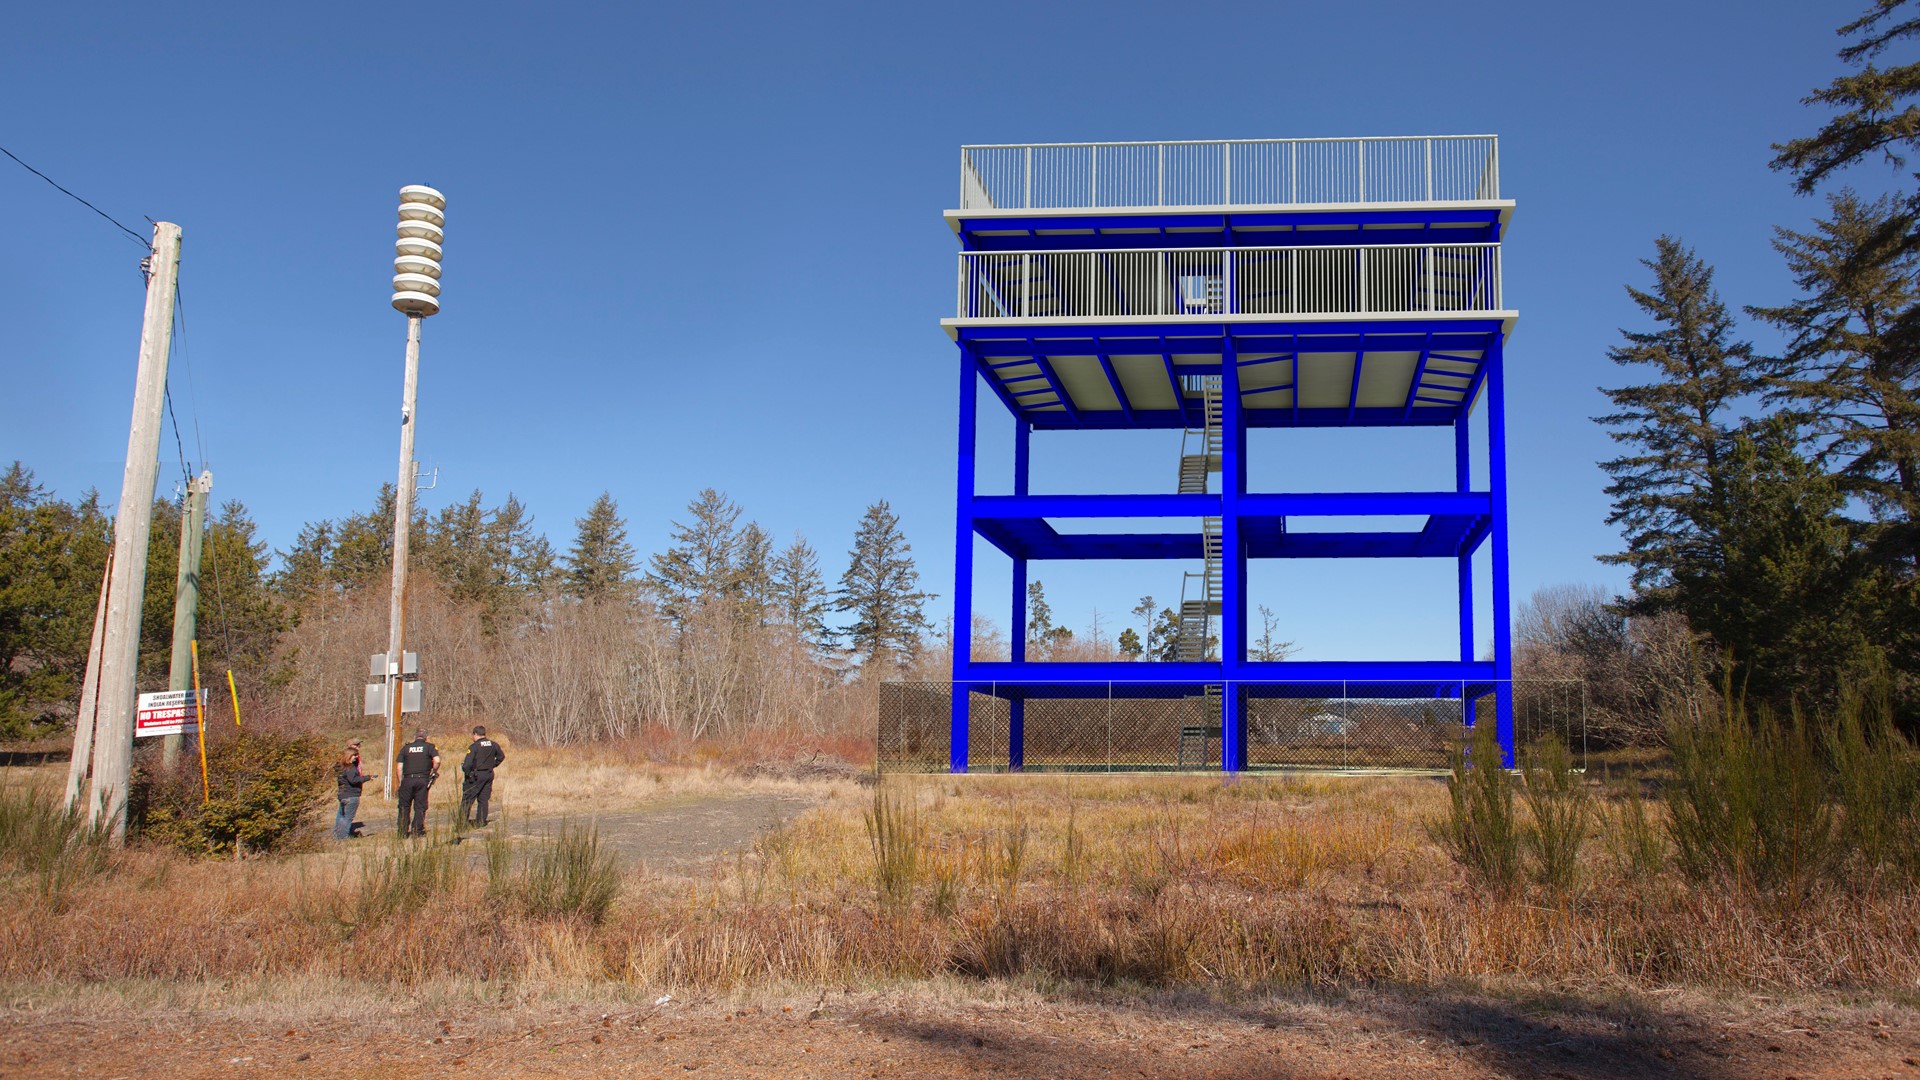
[(681, 837), (1384, 1036)]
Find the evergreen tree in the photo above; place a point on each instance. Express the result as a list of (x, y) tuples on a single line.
[(600, 565), (1130, 645), (1149, 637), (800, 592), (699, 566), (1043, 637), (1876, 113), (1679, 426), (52, 554), (753, 573), (528, 562), (881, 590), (239, 617), (1852, 379), (1782, 591)]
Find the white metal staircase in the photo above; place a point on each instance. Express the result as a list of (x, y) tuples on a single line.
[(1198, 606)]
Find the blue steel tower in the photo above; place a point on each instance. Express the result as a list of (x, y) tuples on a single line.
[(1211, 288)]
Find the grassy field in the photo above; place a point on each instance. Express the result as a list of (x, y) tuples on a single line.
[(1051, 888), (1105, 881)]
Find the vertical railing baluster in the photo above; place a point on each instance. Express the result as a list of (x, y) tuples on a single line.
[(1361, 263), (1026, 283), (1028, 201)]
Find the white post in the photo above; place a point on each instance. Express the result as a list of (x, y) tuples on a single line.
[(83, 721), (120, 649), (402, 517)]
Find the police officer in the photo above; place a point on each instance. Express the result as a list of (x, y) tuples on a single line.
[(418, 766), (476, 776)]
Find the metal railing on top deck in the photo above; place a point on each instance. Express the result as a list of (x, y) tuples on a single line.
[(1202, 282), (1255, 172)]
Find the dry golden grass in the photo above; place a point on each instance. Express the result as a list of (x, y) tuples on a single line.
[(1104, 881)]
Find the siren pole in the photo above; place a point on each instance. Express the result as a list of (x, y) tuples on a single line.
[(416, 293)]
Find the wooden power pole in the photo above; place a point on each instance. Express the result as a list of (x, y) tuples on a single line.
[(120, 645), (186, 602)]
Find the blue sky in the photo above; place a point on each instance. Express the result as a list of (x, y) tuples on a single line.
[(700, 245)]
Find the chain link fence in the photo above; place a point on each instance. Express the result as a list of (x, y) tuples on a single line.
[(1117, 728)]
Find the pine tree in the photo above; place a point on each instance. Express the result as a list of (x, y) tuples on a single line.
[(752, 585), (528, 562), (1876, 114), (1846, 372), (1679, 425), (698, 567), (1782, 591), (1149, 637), (600, 565), (881, 590), (800, 592), (1043, 637)]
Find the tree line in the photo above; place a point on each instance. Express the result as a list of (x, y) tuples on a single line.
[(725, 629), (1767, 500)]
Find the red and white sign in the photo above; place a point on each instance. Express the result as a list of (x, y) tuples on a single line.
[(169, 712)]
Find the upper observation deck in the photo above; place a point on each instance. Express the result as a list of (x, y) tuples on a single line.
[(1335, 281), (1294, 230), (1082, 179)]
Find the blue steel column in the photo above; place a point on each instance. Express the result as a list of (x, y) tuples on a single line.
[(1017, 645), (963, 562), (1463, 481), (1497, 485), (1233, 551)]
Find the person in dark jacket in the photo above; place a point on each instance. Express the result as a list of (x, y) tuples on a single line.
[(419, 766), (348, 780), (476, 776)]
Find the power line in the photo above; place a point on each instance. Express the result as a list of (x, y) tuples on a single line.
[(137, 238)]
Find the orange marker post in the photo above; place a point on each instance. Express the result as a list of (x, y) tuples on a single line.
[(200, 722), (235, 691)]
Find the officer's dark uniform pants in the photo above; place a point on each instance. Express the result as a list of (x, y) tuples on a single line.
[(413, 800), (474, 793)]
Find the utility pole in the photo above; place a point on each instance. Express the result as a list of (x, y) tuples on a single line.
[(186, 602), (83, 722), (416, 293), (120, 647)]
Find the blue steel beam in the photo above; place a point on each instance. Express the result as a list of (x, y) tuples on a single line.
[(1119, 393), (1419, 370), (963, 557), (1502, 610), (1263, 504), (1353, 392), (1011, 338), (1000, 389), (1192, 674), (1033, 540)]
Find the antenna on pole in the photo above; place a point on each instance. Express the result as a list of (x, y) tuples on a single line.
[(416, 293)]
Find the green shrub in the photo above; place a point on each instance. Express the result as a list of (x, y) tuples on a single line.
[(1480, 830), (1749, 800), (40, 837), (267, 790), (1561, 810), (894, 833), (1876, 779), (572, 877), (1638, 844), (403, 878)]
